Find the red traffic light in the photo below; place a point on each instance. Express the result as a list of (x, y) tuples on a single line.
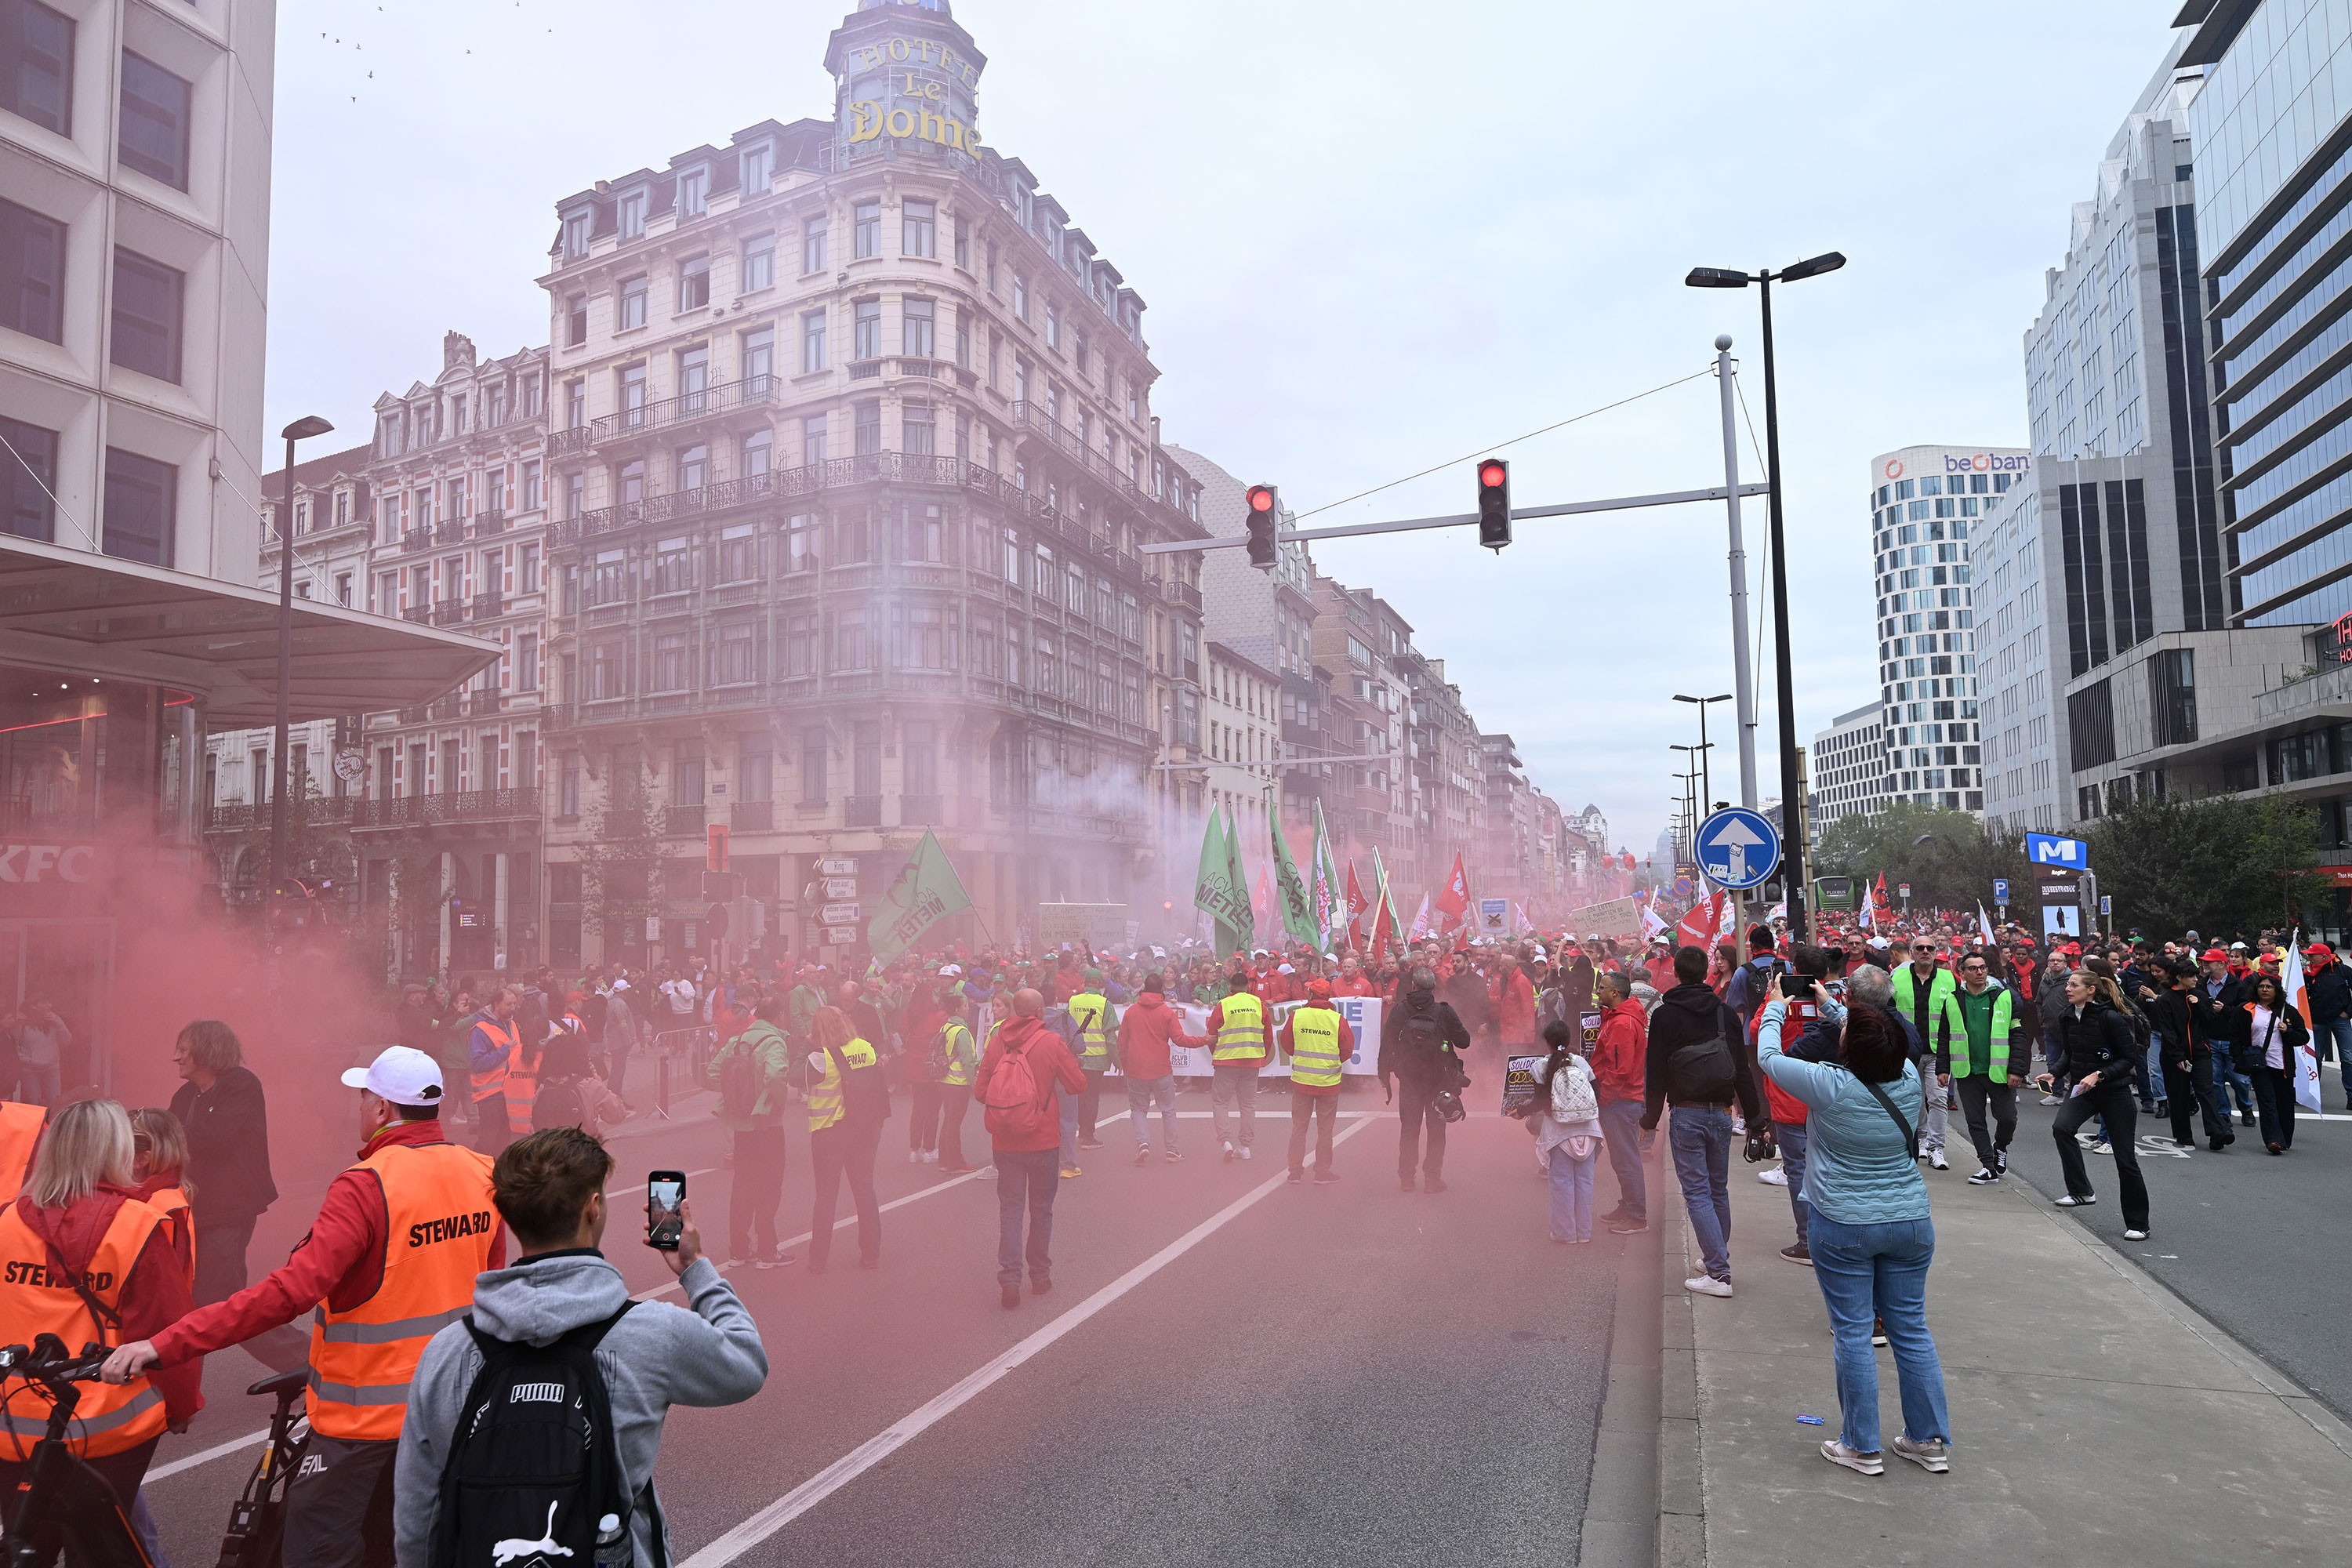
[(1261, 498), (1492, 473)]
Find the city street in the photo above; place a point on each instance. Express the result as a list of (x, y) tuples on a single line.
[(1230, 1369), (2252, 1242)]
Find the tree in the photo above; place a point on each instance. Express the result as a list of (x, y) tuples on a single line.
[(2219, 865), (1950, 857), (620, 865)]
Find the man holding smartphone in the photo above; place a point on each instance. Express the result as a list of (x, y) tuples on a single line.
[(550, 1189)]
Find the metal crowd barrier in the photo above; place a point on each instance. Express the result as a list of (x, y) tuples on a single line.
[(693, 1047)]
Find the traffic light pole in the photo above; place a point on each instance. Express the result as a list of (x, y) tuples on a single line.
[(1458, 520)]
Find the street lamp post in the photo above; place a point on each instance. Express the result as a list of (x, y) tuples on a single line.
[(1690, 795), (1792, 847), (301, 429), (1707, 785)]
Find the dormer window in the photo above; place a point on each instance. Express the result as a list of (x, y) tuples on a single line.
[(759, 168), (694, 193), (632, 215), (577, 227)]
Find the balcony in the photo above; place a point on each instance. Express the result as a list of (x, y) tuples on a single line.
[(865, 370), (489, 607), (414, 540), (417, 615), (753, 816), (752, 392), (487, 806), (443, 707), (929, 810), (684, 821), (320, 811), (450, 533), (493, 522), (923, 367), (449, 613), (481, 704), (1182, 594), (865, 810)]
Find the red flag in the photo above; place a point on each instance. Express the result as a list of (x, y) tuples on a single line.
[(1356, 904), (1453, 903), (1697, 929), (1262, 901)]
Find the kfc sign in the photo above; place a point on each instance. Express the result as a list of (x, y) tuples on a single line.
[(48, 863)]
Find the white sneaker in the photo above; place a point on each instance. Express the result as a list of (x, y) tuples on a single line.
[(2071, 1201), (1928, 1455), (1707, 1285), (1983, 1178), (1773, 1176), (914, 1156), (2135, 1236), (1245, 1151), (930, 1156), (1837, 1453), (1935, 1158), (2051, 1099)]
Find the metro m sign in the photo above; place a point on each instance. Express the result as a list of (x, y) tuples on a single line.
[(2047, 849)]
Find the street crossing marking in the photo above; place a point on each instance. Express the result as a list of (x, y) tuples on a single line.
[(874, 1450), (842, 1223)]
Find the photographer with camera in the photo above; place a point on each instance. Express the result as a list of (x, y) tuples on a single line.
[(1419, 1042), (1699, 1062), (1789, 1136)]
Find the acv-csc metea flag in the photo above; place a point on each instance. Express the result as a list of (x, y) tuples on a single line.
[(927, 893)]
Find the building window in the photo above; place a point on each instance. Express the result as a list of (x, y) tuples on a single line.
[(852, 648), (759, 262), (694, 193), (36, 48), (813, 440), (732, 656), (630, 482), (146, 336), (868, 426), (154, 126), (917, 322), (800, 544), (865, 343), (759, 168), (31, 462), (32, 272), (694, 468), (531, 487), (1021, 297), (633, 214), (739, 554), (694, 378), (920, 228), (694, 283), (812, 342), (756, 457), (963, 244), (800, 645), (921, 435), (527, 662), (812, 245), (814, 757), (575, 404), (141, 502), (575, 494), (1053, 327), (759, 357), (604, 682), (632, 308), (670, 672), (866, 230), (578, 228)]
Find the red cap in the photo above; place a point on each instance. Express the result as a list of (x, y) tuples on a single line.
[(1321, 990), (2072, 950), (2214, 955), (2317, 950)]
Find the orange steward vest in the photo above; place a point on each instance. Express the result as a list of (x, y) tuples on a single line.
[(179, 1224), (20, 1133), (437, 1198), (35, 1298), (522, 1086), (489, 1081)]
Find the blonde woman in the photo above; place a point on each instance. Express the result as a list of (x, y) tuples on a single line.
[(77, 1220)]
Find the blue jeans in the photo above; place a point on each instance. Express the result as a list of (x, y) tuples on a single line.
[(1571, 1193), (1701, 1136), (37, 1083), (1069, 1129), (1026, 1178), (2229, 1080), (2339, 1032), (1142, 1094), (1881, 1271), (1792, 1137), (1621, 1128)]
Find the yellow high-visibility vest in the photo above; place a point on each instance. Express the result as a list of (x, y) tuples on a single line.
[(1315, 1054), (1244, 1034)]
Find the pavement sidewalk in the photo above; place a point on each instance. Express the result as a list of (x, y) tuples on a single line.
[(2095, 1416)]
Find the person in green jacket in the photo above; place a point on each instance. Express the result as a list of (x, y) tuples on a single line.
[(955, 1099), (807, 996), (755, 1114), (1985, 1056), (1924, 993)]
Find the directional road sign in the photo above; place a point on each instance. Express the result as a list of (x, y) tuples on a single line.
[(1739, 848)]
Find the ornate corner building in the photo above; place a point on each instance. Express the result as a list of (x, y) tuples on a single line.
[(851, 456)]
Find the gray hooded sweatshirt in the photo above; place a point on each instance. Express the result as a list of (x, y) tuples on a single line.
[(657, 1356)]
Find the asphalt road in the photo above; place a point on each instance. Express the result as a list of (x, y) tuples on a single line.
[(1230, 1370), (2253, 1242)]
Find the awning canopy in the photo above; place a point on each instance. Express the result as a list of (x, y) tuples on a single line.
[(81, 613)]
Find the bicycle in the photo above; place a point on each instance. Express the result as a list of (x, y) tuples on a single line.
[(61, 1503), (257, 1521)]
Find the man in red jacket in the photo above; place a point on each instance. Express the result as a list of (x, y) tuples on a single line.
[(1352, 980), (1618, 1060), (1146, 1030), (1513, 995), (1026, 1133)]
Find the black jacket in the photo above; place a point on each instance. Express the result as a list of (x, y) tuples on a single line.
[(1430, 1065), (2097, 1040), (2209, 1015), (2247, 1053), (2168, 1015), (229, 1146), (1685, 1015), (2328, 989)]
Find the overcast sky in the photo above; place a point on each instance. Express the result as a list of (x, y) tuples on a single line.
[(1372, 238)]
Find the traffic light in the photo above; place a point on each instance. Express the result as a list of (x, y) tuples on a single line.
[(1494, 503), (1264, 517)]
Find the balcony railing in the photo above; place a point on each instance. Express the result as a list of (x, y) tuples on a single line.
[(489, 607), (414, 540), (236, 816), (684, 821), (450, 533), (481, 704), (435, 810), (417, 615), (753, 816), (752, 392), (494, 521), (1182, 594), (863, 811), (443, 707), (449, 612)]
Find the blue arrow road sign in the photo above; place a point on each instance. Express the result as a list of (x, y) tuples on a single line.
[(1738, 848)]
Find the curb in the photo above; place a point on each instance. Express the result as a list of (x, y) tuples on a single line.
[(1623, 1504), (1682, 1479)]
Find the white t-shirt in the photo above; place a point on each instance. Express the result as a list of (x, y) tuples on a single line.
[(2273, 1039), (681, 996)]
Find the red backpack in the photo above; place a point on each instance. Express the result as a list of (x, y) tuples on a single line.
[(1017, 1109)]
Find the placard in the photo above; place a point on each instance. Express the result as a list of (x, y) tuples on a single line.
[(1522, 1083), (1363, 1015)]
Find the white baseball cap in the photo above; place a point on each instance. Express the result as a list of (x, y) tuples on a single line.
[(402, 1074), (950, 970), (1286, 969)]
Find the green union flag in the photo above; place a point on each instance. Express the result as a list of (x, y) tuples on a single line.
[(927, 893), (1218, 891), (1298, 913)]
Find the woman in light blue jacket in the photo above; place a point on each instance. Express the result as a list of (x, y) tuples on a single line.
[(1871, 1235)]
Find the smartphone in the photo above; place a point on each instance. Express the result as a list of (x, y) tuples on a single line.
[(665, 1194)]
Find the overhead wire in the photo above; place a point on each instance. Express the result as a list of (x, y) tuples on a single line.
[(1498, 446)]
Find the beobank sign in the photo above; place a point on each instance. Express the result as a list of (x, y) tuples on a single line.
[(1979, 463)]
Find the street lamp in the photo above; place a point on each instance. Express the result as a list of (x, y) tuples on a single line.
[(1707, 785), (302, 429), (1690, 793), (1792, 847)]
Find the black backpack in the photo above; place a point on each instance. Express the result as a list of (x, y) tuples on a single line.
[(739, 1079), (865, 1091), (532, 1475), (559, 1104), (1702, 1072)]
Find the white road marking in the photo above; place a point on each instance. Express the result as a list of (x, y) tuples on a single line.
[(874, 1450), (204, 1455), (839, 1225)]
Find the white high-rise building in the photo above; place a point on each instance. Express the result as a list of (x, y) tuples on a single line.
[(1849, 771), (1925, 503)]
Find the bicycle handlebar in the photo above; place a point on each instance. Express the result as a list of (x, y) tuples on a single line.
[(47, 1361)]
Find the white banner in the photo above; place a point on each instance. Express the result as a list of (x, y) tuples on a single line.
[(1363, 1013)]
